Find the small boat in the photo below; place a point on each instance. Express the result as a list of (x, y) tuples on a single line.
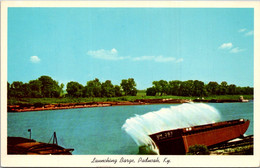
[(178, 141), (241, 99)]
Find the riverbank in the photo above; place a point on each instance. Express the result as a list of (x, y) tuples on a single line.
[(42, 104), (61, 106)]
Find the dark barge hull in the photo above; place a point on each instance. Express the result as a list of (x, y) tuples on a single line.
[(178, 141), (24, 146)]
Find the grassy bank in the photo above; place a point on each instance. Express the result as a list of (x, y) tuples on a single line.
[(140, 95)]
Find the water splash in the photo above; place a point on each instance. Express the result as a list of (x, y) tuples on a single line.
[(184, 115)]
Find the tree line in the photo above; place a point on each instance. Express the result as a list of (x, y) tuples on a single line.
[(46, 87), (196, 88)]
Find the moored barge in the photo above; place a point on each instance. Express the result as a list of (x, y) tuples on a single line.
[(24, 146), (178, 141)]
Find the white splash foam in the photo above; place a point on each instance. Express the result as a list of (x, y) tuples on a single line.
[(181, 116)]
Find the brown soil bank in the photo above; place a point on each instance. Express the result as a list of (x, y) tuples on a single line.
[(60, 106)]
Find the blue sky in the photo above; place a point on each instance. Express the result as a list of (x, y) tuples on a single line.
[(147, 44)]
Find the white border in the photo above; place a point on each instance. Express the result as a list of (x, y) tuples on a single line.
[(85, 160)]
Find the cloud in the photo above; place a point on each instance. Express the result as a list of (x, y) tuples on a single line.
[(229, 46), (179, 60), (242, 30), (106, 54), (236, 50), (35, 59), (250, 33), (246, 31), (113, 55), (154, 58), (143, 58), (157, 59), (226, 46)]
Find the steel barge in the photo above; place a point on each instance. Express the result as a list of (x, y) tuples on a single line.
[(178, 141)]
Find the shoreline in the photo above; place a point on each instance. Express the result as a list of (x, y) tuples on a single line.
[(63, 106)]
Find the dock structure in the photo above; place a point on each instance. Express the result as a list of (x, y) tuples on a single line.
[(24, 146)]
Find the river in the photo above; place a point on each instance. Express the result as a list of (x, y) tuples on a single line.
[(92, 131)]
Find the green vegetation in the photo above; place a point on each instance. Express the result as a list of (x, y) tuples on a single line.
[(45, 90), (146, 150), (140, 95), (46, 87), (229, 97), (129, 87), (195, 88), (198, 150)]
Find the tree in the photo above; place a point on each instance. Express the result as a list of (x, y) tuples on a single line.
[(35, 87), (157, 86), (50, 87), (26, 90), (8, 90), (198, 150), (199, 88), (248, 90), (161, 86), (231, 89), (107, 89), (124, 85), (16, 89), (133, 92), (223, 88), (61, 90), (174, 87), (238, 90), (128, 86), (75, 89), (186, 88), (212, 88), (118, 91), (151, 91), (93, 88)]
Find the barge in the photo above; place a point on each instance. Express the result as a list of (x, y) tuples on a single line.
[(24, 146), (178, 141)]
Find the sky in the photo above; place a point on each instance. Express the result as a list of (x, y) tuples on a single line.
[(147, 44)]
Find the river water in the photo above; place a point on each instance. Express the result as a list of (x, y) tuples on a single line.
[(98, 130)]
